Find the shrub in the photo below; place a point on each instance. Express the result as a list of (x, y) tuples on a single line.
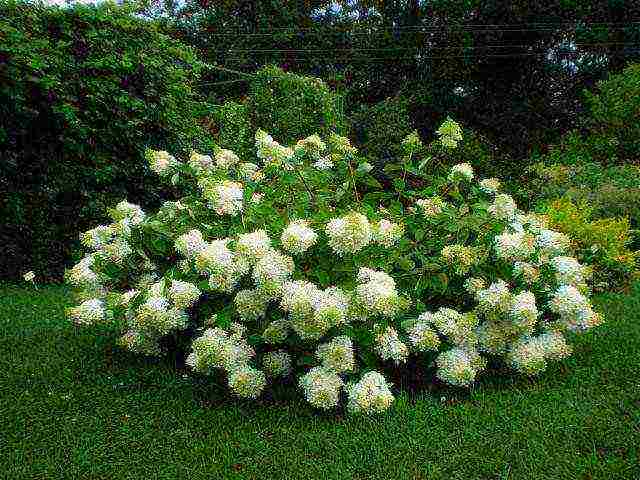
[(610, 191), (611, 131), (602, 243), (380, 128), (304, 266), (82, 91), (290, 105), (232, 127)]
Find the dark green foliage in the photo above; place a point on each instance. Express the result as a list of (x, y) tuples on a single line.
[(380, 128), (232, 128), (611, 125), (83, 91), (75, 407), (290, 106)]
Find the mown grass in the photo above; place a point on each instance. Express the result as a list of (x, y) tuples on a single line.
[(72, 406)]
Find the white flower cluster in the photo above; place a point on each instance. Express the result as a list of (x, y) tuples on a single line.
[(183, 294), (490, 185), (450, 133), (201, 164), (298, 237), (389, 347), (213, 259), (89, 312), (312, 146), (311, 311), (224, 197), (503, 207), (271, 152), (431, 207), (460, 257), (387, 233), (517, 246), (369, 395), (376, 293), (321, 387), (461, 171), (574, 309), (552, 243), (226, 158), (277, 363), (459, 366), (530, 356), (349, 234), (569, 271), (458, 328), (160, 162), (228, 351), (337, 355)]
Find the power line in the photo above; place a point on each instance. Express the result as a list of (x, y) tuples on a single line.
[(451, 47), (543, 27), (429, 57)]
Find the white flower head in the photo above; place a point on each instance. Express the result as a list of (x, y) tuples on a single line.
[(298, 237), (349, 234)]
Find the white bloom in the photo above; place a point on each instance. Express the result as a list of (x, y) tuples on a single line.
[(97, 237), (422, 337), (515, 246), (200, 163), (323, 163), (457, 327), (298, 237), (552, 242), (370, 395), (527, 271), (161, 162), (321, 387), (524, 311), (89, 312), (503, 207), (461, 171), (490, 185), (226, 158), (29, 276), (271, 271), (387, 233), (495, 300), (459, 366), (251, 304), (129, 211), (254, 245), (248, 171), (224, 197), (432, 206), (183, 294), (216, 348), (389, 347), (568, 270), (376, 292), (190, 243), (349, 234), (277, 364), (337, 355), (247, 382)]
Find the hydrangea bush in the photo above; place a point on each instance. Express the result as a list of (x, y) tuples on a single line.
[(298, 263)]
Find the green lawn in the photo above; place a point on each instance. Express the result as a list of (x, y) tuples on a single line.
[(71, 406)]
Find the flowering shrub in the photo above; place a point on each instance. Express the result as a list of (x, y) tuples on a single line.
[(298, 263)]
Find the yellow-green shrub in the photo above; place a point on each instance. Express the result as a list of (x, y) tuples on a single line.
[(603, 243)]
